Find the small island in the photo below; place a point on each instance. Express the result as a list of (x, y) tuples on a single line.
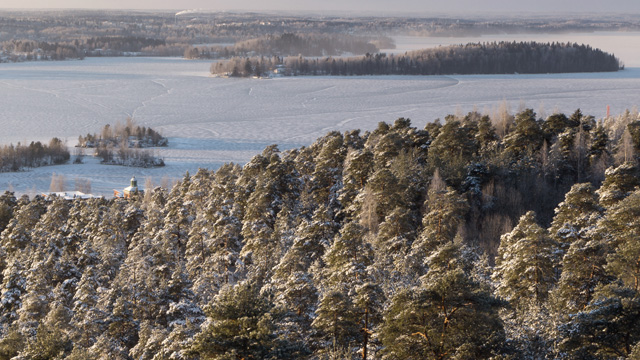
[(473, 58), (122, 145)]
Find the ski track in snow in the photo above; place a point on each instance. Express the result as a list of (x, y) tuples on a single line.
[(209, 131), (145, 103)]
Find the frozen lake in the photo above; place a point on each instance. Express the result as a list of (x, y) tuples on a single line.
[(210, 121), (624, 45)]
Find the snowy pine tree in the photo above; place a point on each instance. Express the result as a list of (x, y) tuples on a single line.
[(525, 263), (448, 316)]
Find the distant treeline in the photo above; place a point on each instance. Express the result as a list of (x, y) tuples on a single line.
[(15, 158), (292, 44), (118, 45), (28, 50), (254, 66), (474, 58)]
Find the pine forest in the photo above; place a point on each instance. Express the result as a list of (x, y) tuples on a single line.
[(478, 237), (473, 58)]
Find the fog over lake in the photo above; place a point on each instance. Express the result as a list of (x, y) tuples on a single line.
[(210, 121)]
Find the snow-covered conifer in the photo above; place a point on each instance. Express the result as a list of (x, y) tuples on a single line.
[(444, 213), (525, 263), (448, 316), (618, 183)]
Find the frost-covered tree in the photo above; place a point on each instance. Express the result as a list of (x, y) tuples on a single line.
[(444, 213), (336, 321), (48, 343), (579, 210), (260, 215), (618, 183), (311, 239), (297, 296), (599, 143), (583, 269), (453, 148), (607, 328), (449, 316), (410, 170), (347, 258), (150, 343), (486, 136), (369, 300), (525, 263), (390, 246), (14, 283), (527, 136), (17, 234), (109, 347), (328, 169), (387, 148), (36, 300), (8, 203), (621, 228), (123, 328), (11, 343), (357, 168), (556, 124), (386, 192), (240, 325), (88, 319), (214, 244)]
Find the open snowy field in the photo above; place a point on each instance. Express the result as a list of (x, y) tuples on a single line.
[(210, 121)]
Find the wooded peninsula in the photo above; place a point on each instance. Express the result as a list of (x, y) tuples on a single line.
[(473, 58)]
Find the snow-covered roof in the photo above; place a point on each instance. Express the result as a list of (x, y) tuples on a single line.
[(70, 195)]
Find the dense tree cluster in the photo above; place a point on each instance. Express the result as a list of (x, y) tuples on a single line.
[(247, 67), (30, 50), (289, 44), (121, 144), (15, 158), (485, 58), (127, 156), (129, 133), (504, 237), (118, 45)]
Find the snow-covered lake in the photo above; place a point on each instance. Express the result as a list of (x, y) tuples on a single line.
[(624, 45), (210, 121)]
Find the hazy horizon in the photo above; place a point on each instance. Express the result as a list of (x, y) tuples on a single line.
[(414, 7)]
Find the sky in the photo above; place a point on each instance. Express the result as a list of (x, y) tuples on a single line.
[(357, 6)]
